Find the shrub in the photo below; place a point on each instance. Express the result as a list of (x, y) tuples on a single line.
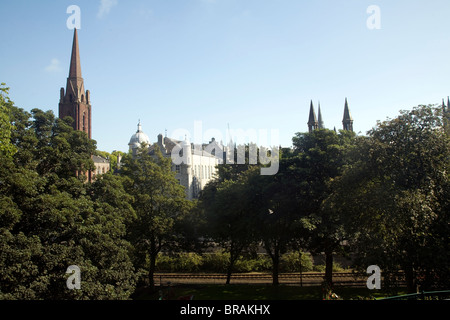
[(215, 262), (321, 267), (179, 262), (290, 262)]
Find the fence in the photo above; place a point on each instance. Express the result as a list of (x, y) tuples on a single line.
[(305, 279), (430, 295)]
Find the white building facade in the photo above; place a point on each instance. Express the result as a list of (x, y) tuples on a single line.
[(201, 164)]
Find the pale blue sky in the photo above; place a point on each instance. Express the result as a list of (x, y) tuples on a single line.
[(254, 64)]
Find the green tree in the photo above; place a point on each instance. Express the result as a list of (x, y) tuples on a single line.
[(321, 157), (280, 220), (51, 219), (6, 147), (159, 202), (395, 195), (228, 218)]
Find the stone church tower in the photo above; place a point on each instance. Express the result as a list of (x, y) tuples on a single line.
[(347, 121), (315, 123), (75, 101)]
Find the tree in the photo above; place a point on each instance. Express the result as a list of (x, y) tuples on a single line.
[(321, 157), (280, 220), (228, 218), (159, 202), (51, 219), (394, 197), (6, 148)]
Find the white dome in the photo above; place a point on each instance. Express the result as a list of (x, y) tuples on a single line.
[(138, 138)]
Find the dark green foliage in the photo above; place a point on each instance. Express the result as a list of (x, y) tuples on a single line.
[(51, 219), (394, 198), (159, 203)]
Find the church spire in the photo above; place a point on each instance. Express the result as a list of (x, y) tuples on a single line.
[(347, 121), (75, 100), (75, 66), (313, 124), (321, 125)]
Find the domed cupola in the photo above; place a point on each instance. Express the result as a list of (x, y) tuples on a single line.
[(138, 138)]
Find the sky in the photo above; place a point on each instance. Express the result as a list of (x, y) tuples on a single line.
[(199, 67)]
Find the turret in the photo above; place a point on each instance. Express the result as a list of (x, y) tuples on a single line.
[(313, 124), (347, 121), (321, 125)]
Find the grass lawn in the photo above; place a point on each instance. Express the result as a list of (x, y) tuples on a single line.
[(265, 292)]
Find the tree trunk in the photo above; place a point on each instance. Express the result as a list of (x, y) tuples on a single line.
[(329, 268), (229, 272), (275, 266), (151, 271), (154, 250), (409, 277)]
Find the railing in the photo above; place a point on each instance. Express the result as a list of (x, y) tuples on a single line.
[(430, 295), (304, 279)]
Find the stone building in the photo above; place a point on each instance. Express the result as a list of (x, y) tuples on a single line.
[(200, 166), (75, 102), (102, 166)]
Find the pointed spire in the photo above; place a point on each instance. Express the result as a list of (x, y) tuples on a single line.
[(347, 115), (75, 66), (312, 122), (321, 125), (347, 121), (312, 114)]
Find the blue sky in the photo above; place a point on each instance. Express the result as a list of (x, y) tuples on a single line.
[(252, 64)]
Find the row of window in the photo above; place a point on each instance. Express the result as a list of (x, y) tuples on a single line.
[(102, 170), (203, 172)]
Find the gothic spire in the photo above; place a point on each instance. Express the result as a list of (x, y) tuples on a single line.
[(321, 125), (75, 66), (75, 100), (312, 122), (347, 121)]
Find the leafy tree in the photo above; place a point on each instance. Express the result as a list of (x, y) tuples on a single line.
[(159, 202), (228, 218), (321, 157), (6, 148), (51, 219), (281, 222), (395, 195)]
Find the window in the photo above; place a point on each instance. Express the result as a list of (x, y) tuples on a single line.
[(177, 169)]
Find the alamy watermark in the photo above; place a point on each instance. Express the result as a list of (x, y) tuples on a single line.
[(74, 281), (374, 281), (74, 20), (266, 155), (374, 20)]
